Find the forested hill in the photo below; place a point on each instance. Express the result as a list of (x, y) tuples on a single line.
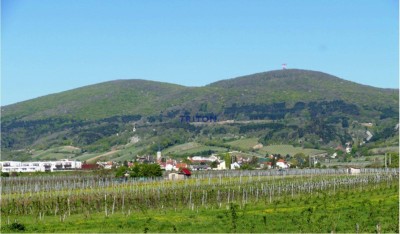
[(293, 105), (293, 85), (119, 97), (125, 97)]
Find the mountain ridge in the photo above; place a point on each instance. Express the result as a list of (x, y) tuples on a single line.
[(274, 78), (216, 83)]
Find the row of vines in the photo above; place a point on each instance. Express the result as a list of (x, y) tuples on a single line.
[(63, 196), (34, 184)]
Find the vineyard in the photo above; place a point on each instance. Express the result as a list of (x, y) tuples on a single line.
[(310, 200)]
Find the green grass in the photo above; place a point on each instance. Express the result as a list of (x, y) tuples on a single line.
[(60, 152), (318, 213), (191, 148), (182, 147), (203, 148), (245, 144), (50, 155), (66, 152), (86, 156), (384, 150), (289, 149), (128, 153)]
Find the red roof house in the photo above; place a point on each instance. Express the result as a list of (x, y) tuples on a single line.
[(186, 172)]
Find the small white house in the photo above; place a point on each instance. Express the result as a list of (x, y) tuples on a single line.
[(235, 165), (221, 165), (348, 149), (169, 167), (176, 176), (282, 165), (213, 158), (354, 171)]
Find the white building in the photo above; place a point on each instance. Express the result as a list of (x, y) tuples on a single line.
[(282, 165), (235, 165), (64, 164), (353, 171), (175, 176), (221, 166), (169, 167)]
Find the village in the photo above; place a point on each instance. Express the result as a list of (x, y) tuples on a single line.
[(179, 168), (194, 163)]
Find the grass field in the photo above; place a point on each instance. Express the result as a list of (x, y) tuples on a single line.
[(86, 156), (383, 150), (191, 148), (244, 144), (182, 147), (55, 153), (374, 209), (289, 149)]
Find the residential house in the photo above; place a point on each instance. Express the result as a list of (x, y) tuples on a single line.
[(176, 176), (221, 166), (353, 171), (282, 164), (235, 165)]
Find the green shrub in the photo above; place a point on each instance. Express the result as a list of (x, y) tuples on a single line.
[(16, 227)]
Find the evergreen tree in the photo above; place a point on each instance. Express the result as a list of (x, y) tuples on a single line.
[(228, 160)]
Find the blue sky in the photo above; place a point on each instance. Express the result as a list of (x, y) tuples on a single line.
[(50, 46)]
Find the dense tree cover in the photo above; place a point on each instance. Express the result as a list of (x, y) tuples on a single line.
[(22, 133), (145, 170), (262, 111), (139, 170), (216, 130), (326, 120), (256, 127), (389, 112), (326, 108), (120, 171), (384, 133), (277, 111), (122, 118)]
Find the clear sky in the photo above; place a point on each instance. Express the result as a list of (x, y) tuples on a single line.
[(48, 46)]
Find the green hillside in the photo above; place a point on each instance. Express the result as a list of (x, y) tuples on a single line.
[(293, 85), (123, 97), (120, 97), (272, 108)]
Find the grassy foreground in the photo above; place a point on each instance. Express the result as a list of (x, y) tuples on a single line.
[(375, 209)]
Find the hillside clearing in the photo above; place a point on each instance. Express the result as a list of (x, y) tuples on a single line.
[(246, 143), (289, 149)]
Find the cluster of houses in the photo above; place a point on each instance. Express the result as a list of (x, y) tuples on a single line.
[(198, 163), (195, 163)]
